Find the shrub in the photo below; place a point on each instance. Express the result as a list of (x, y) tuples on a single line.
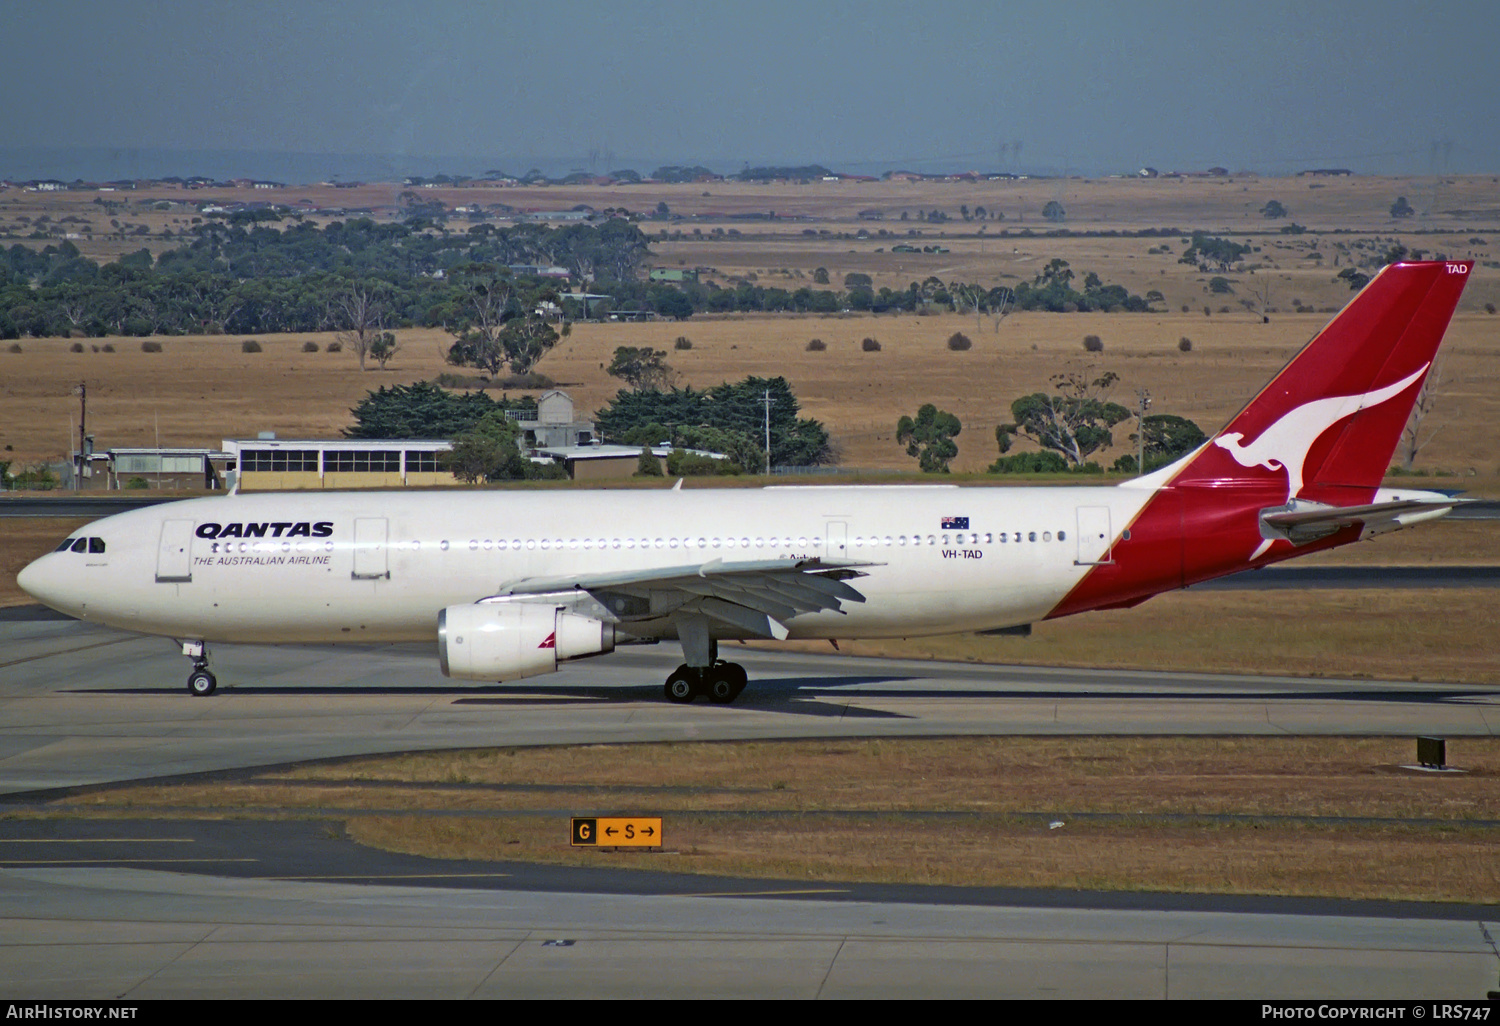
[(464, 381), (686, 464), (109, 347), (532, 380), (817, 345), (1184, 345), (683, 342), (335, 347), (1207, 312), (309, 347), (137, 484), (150, 347), (648, 465), (1030, 463), (250, 346), (15, 347), (94, 347), (76, 347), (869, 345), (1489, 308), (1093, 344), (959, 342)]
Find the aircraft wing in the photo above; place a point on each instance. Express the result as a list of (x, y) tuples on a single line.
[(1302, 521), (754, 596)]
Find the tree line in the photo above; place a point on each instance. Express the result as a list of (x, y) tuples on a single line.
[(730, 418), (244, 276)]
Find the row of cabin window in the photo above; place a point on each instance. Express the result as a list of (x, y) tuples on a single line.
[(859, 541), (270, 546), (81, 545)]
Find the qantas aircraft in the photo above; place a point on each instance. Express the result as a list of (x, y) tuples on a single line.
[(512, 584)]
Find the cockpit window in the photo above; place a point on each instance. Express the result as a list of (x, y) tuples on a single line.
[(96, 544), (81, 545), (67, 543)]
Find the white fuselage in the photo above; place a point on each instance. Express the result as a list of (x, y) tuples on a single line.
[(379, 566)]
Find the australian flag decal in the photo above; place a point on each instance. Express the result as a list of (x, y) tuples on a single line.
[(955, 524)]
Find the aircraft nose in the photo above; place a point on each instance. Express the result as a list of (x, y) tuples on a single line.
[(30, 577), (40, 580)]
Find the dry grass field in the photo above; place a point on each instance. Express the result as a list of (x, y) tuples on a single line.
[(860, 395), (200, 390), (1334, 817)]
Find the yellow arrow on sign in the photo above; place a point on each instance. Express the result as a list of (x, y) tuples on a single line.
[(617, 832)]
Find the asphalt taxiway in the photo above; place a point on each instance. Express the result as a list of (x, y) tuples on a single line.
[(116, 916)]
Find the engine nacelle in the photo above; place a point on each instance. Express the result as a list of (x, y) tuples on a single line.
[(510, 640)]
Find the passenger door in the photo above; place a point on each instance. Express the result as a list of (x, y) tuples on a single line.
[(174, 553)]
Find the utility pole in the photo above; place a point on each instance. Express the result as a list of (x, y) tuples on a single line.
[(768, 401), (83, 409), (1143, 403)]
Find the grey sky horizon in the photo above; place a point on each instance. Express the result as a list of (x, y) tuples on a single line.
[(1088, 88)]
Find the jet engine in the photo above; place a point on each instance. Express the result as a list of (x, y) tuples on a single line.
[(507, 641)]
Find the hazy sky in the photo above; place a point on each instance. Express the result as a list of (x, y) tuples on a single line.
[(1082, 86)]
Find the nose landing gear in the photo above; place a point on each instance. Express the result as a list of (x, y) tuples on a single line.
[(201, 682)]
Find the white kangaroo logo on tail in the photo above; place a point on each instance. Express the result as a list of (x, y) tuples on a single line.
[(1285, 444)]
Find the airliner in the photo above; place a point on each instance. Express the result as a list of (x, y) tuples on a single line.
[(514, 584)]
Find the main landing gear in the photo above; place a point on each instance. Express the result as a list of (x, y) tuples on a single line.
[(201, 682), (722, 682)]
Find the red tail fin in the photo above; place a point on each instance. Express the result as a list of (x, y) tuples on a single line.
[(1331, 419)]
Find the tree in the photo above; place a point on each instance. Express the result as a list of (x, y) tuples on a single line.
[(1401, 208), (503, 323), (1074, 421), (672, 303), (969, 297), (383, 348), (423, 410), (641, 367), (738, 409), (487, 297), (1054, 211), (1208, 251), (1273, 209), (1169, 437), (820, 276), (1000, 302), (929, 438), (1357, 279), (363, 315), (488, 451)]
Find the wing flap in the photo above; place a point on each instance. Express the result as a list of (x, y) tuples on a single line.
[(756, 596)]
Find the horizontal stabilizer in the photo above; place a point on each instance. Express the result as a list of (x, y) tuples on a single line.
[(1300, 522)]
